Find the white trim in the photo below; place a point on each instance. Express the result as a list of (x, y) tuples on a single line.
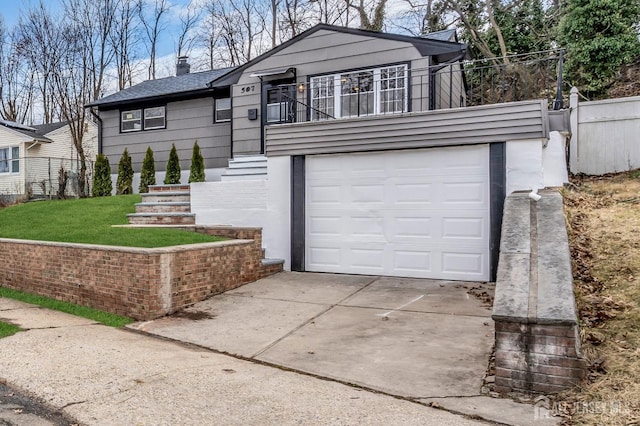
[(376, 92)]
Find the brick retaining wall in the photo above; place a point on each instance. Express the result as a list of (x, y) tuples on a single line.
[(135, 282), (537, 334)]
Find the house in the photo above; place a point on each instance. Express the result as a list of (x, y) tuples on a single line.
[(32, 156), (352, 149), (226, 110)]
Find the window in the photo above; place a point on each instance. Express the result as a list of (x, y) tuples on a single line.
[(322, 97), (223, 110), (154, 118), (132, 120), (10, 160), (277, 112), (359, 93)]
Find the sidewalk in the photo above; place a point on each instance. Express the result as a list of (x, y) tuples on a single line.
[(104, 376)]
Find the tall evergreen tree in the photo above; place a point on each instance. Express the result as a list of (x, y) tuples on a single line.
[(172, 175), (148, 173), (102, 185), (600, 36), (124, 183), (196, 172)]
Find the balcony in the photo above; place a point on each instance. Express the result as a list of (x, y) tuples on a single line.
[(392, 91)]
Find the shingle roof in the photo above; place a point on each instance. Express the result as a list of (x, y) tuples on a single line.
[(45, 129), (441, 50), (29, 131), (193, 82)]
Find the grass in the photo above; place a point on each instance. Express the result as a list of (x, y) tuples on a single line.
[(604, 223), (89, 221), (105, 318), (7, 329)]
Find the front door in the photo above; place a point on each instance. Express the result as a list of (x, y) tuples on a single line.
[(279, 102)]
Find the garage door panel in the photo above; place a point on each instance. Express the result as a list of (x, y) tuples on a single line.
[(324, 194), (463, 228), (366, 194), (471, 264), (412, 262), (330, 226), (409, 227), (419, 213), (365, 227), (324, 259)]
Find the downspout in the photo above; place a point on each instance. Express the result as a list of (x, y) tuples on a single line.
[(99, 120)]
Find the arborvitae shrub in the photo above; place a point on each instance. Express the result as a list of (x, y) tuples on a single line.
[(148, 173), (124, 183), (102, 185), (172, 175), (196, 172)]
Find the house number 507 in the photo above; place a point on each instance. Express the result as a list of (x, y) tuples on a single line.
[(248, 89)]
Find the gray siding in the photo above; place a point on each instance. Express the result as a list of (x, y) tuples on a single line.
[(187, 121), (311, 57), (462, 126), (449, 87)]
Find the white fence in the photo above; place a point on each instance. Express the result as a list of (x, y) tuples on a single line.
[(605, 135)]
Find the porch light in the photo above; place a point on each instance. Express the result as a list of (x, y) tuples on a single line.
[(301, 88)]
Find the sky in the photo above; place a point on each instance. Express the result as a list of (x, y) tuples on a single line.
[(11, 10)]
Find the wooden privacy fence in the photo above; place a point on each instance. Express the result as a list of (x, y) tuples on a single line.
[(605, 135)]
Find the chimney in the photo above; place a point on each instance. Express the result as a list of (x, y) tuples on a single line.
[(183, 66)]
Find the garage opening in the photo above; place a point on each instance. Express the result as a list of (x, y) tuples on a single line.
[(421, 213)]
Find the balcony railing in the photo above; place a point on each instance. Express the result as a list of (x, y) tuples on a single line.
[(472, 83)]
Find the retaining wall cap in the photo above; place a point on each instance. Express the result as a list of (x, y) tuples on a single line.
[(511, 300), (555, 302), (141, 250)]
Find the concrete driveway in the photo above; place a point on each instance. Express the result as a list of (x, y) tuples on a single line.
[(413, 338)]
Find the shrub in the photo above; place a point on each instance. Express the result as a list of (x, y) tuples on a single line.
[(196, 172), (124, 183), (148, 173), (172, 175), (102, 185)]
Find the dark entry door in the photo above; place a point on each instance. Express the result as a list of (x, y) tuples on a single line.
[(279, 102)]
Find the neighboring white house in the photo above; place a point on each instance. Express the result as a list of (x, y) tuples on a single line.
[(31, 157)]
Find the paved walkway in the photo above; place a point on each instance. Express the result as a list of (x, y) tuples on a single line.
[(103, 376)]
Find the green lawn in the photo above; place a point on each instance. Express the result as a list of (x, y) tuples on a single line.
[(7, 329), (70, 308), (89, 221)]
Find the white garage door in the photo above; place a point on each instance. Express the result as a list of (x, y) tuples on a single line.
[(415, 213)]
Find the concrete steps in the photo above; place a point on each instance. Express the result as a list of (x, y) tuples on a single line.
[(249, 167), (164, 205)]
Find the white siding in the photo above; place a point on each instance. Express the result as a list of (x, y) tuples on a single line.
[(11, 183)]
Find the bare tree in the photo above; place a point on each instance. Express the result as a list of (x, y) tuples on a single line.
[(123, 40), (188, 21), (16, 79), (375, 22), (41, 42), (237, 29), (153, 26), (423, 17), (74, 87), (93, 21)]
